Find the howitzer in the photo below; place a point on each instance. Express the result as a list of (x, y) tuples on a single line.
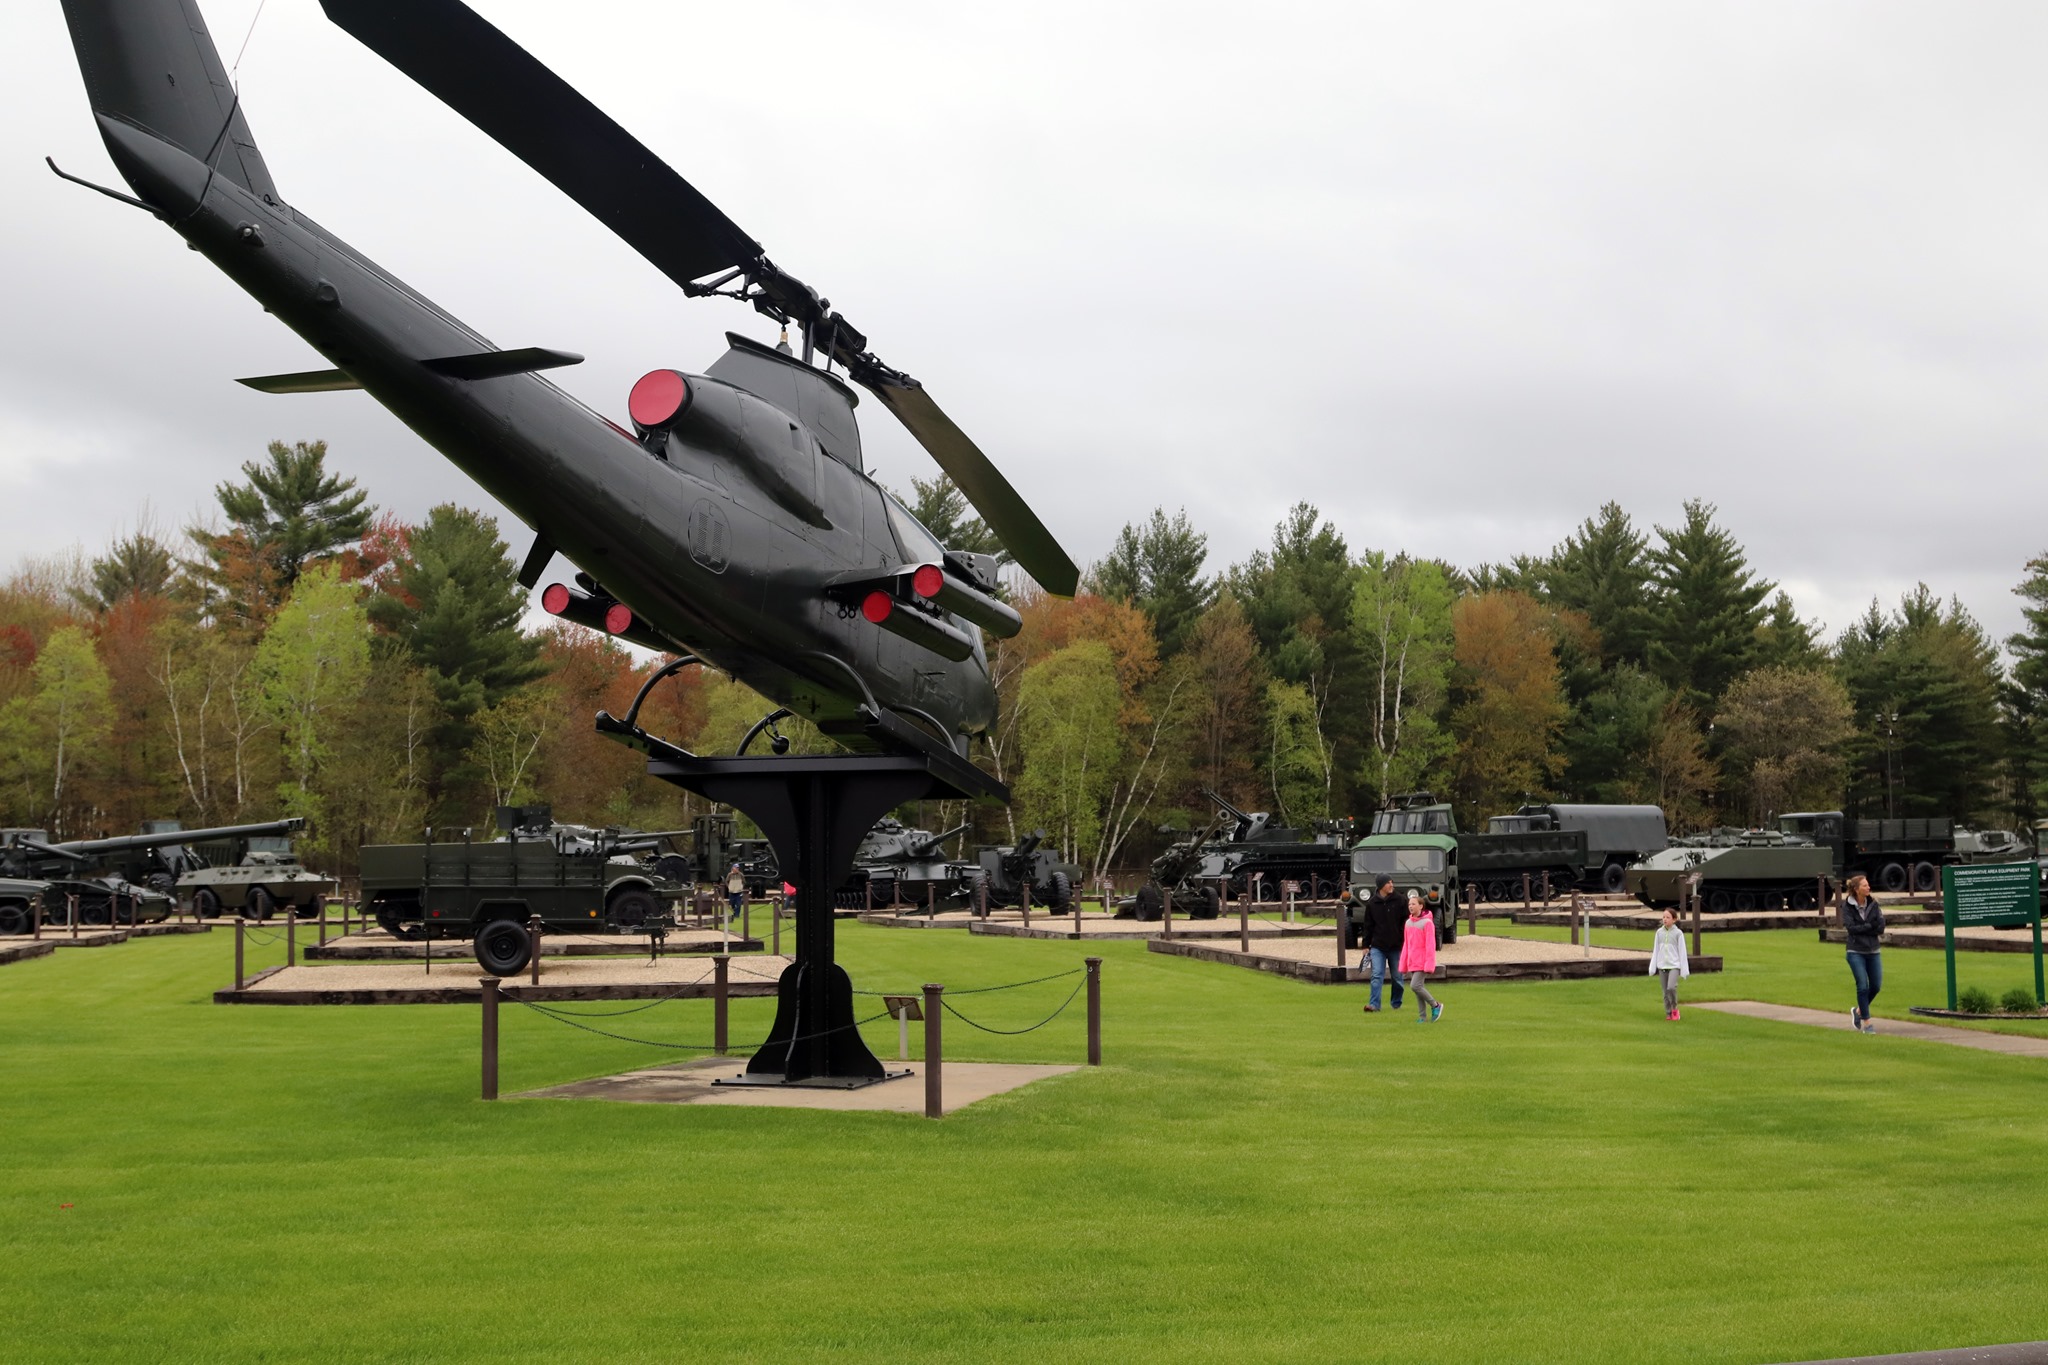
[(25, 850)]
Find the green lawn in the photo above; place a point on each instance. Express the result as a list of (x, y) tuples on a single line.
[(1262, 1173)]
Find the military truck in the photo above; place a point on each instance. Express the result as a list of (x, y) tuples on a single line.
[(1737, 870), (1025, 873), (1527, 844), (19, 898), (1422, 858), (895, 863), (577, 878), (1614, 837), (1897, 855)]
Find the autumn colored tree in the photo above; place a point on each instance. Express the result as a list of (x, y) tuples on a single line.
[(1507, 703), (289, 516), (1227, 676)]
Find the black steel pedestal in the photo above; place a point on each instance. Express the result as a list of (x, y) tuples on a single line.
[(815, 811)]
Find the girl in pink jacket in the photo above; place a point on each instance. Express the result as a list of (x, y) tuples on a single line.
[(1418, 959)]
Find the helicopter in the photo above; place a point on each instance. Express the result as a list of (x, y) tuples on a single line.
[(730, 519)]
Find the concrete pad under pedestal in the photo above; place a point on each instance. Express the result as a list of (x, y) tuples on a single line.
[(964, 1083)]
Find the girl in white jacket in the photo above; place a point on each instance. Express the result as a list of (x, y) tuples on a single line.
[(1667, 958)]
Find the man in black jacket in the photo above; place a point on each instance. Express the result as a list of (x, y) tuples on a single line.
[(1385, 915)]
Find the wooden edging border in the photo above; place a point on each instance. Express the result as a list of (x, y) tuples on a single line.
[(1328, 974), (21, 950), (459, 949), (472, 993)]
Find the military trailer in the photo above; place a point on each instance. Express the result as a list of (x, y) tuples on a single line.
[(1027, 873), (1614, 837), (1736, 870), (1897, 855), (576, 878)]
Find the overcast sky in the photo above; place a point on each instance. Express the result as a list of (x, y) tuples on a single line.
[(1456, 273)]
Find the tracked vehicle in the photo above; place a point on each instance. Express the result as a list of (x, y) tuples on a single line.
[(1738, 870)]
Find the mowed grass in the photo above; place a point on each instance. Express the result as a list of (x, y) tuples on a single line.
[(1261, 1173)]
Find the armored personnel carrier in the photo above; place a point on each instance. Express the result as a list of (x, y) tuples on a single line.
[(266, 882), (577, 878), (895, 864), (1756, 869)]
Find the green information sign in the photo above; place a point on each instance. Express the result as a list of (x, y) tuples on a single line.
[(1991, 894)]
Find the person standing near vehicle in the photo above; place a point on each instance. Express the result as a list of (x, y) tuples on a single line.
[(1418, 958), (1863, 922), (1668, 960), (736, 890), (1385, 916)]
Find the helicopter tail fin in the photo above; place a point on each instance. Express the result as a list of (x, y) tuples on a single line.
[(152, 65)]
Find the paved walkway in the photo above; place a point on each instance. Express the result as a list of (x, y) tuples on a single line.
[(2008, 1043)]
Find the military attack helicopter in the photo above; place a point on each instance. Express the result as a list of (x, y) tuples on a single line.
[(733, 518)]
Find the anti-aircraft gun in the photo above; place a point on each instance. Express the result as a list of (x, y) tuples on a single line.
[(575, 878), (896, 863), (714, 848), (1258, 857), (94, 869), (1028, 871)]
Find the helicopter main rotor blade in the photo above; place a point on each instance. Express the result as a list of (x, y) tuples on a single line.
[(979, 481), (454, 53)]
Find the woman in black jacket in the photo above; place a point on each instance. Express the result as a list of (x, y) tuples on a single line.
[(1863, 922)]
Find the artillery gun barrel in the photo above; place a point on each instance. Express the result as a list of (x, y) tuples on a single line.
[(122, 843), (1225, 806)]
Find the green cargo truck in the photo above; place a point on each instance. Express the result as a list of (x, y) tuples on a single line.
[(577, 880)]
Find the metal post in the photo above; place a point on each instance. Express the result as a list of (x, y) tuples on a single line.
[(291, 938), (903, 1031), (931, 899), (1094, 1011), (1341, 927), (1469, 893), (323, 921), (719, 982), (490, 1068), (746, 918), (775, 919), (1024, 900), (933, 1105), (239, 923), (1166, 912), (1695, 921), (1244, 920), (1077, 917), (533, 949), (1525, 891), (1586, 910), (1546, 886), (35, 913), (71, 911), (1574, 918), (1820, 903)]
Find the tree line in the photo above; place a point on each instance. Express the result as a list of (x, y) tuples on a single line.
[(308, 654)]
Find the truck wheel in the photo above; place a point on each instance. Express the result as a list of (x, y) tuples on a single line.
[(633, 909), (502, 948), (1926, 876), (206, 903), (1614, 879), (13, 918), (1059, 892), (262, 905), (1151, 902), (1891, 877)]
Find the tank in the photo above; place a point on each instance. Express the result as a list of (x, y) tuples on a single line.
[(19, 898), (897, 864), (93, 871), (1737, 870), (576, 878)]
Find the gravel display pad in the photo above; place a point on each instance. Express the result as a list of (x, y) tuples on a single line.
[(410, 983), (1474, 957), (691, 1082), (377, 946)]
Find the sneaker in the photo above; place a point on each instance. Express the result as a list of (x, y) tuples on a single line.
[(1436, 1012), (1869, 1027), (1855, 1019), (1674, 1016), (1372, 1009)]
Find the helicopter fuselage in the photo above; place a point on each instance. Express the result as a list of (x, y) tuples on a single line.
[(726, 534)]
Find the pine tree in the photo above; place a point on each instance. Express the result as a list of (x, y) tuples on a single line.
[(1924, 682), (1602, 571), (289, 516), (1157, 568), (2026, 706), (138, 565), (1705, 609), (943, 509)]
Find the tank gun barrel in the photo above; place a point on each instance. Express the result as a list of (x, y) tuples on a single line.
[(85, 848), (926, 846), (1232, 811)]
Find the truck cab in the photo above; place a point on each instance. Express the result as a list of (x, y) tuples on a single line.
[(1417, 845)]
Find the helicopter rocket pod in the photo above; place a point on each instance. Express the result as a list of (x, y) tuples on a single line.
[(735, 520)]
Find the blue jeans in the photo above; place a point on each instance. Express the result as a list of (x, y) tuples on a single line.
[(1384, 966), (1868, 969)]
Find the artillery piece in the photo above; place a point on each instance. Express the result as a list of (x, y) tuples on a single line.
[(95, 870), (1027, 872)]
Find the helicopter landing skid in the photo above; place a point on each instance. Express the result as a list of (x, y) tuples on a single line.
[(814, 809)]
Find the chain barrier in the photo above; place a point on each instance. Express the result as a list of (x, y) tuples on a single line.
[(983, 990), (1013, 1032), (561, 1017), (615, 1014)]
